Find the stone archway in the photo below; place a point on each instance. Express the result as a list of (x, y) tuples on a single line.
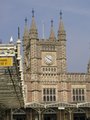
[(19, 114), (79, 114), (49, 114)]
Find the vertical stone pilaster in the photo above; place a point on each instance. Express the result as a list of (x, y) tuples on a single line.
[(40, 116)]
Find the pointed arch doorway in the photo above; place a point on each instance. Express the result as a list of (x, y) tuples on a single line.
[(19, 114), (49, 114), (79, 114)]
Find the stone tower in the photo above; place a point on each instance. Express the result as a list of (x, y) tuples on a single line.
[(48, 85), (44, 61)]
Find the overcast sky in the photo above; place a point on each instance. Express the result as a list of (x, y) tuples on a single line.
[(76, 17)]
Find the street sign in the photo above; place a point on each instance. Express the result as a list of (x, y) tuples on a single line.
[(6, 61)]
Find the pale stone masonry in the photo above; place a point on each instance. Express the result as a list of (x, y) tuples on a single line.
[(47, 80)]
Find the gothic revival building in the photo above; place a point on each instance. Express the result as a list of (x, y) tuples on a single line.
[(51, 92)]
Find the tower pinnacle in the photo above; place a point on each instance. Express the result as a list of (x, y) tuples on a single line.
[(25, 28), (25, 21), (18, 33), (61, 30), (52, 35), (51, 23), (26, 34), (33, 29), (60, 14), (32, 12)]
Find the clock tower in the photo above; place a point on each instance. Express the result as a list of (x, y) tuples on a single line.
[(44, 62), (50, 90)]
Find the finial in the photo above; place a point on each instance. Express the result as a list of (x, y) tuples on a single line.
[(32, 12), (18, 33), (51, 23), (60, 14), (11, 40), (25, 21)]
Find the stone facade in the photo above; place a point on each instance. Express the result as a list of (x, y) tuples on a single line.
[(49, 88)]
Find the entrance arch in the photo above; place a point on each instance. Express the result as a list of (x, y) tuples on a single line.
[(79, 114), (49, 114), (19, 114)]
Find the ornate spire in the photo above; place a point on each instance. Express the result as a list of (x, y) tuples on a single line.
[(33, 28), (18, 33), (32, 12), (26, 32), (61, 30), (51, 23), (52, 35), (25, 21), (60, 14), (33, 24), (18, 40), (61, 25)]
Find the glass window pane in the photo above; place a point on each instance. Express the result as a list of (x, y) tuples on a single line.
[(79, 91), (54, 98), (79, 98), (47, 91), (73, 91), (73, 98), (43, 91), (76, 91), (47, 98), (53, 91), (83, 98), (82, 91), (76, 98), (50, 91), (50, 98), (44, 98)]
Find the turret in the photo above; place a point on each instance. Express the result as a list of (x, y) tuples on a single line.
[(33, 53), (61, 30), (62, 46), (33, 29), (25, 35)]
